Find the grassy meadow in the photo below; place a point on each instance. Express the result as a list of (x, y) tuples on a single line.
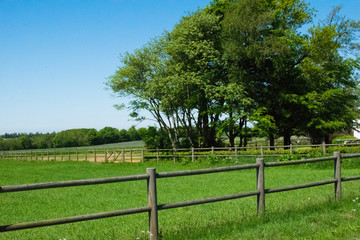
[(308, 213)]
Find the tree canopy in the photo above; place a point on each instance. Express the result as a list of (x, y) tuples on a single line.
[(235, 62)]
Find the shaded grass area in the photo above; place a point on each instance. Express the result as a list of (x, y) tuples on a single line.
[(302, 214)]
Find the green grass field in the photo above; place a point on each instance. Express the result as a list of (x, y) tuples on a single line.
[(301, 214)]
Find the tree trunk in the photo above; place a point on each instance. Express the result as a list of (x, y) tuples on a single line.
[(245, 132), (245, 142), (231, 131), (272, 142), (242, 124), (327, 139), (287, 139)]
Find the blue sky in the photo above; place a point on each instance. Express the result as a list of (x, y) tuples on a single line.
[(55, 56)]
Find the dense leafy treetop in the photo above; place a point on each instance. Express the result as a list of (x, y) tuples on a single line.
[(246, 60)]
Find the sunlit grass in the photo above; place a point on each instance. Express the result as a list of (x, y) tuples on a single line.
[(302, 214)]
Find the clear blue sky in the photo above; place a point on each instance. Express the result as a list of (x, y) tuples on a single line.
[(55, 56)]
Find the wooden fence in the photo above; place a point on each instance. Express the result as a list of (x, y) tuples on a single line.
[(144, 154), (153, 207), (75, 154)]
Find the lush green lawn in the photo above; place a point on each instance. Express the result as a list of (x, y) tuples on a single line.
[(301, 214)]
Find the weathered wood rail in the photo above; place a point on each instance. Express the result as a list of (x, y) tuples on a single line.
[(153, 207), (75, 154)]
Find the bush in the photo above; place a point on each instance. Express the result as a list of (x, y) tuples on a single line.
[(334, 141), (343, 149)]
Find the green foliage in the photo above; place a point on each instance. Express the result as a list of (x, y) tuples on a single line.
[(92, 135), (213, 159), (343, 149), (133, 134), (155, 138), (72, 138), (69, 138), (301, 155), (185, 160), (28, 141), (334, 141), (239, 61), (25, 141), (124, 136), (109, 135)]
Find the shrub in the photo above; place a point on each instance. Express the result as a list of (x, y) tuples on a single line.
[(334, 141)]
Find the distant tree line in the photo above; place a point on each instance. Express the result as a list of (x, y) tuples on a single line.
[(83, 137)]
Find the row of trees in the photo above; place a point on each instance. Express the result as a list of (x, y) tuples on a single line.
[(246, 61), (70, 138)]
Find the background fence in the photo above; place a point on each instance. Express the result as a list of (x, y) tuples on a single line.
[(153, 207), (116, 154)]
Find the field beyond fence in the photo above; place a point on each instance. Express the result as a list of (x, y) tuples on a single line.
[(153, 207), (118, 154)]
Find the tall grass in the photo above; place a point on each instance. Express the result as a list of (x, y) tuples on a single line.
[(302, 214)]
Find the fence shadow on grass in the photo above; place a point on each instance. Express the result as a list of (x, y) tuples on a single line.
[(302, 221)]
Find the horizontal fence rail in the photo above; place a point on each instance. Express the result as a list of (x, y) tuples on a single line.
[(206, 171), (310, 160), (307, 185), (133, 155), (206, 200), (35, 186), (153, 207), (73, 219)]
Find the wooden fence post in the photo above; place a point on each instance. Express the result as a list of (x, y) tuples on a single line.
[(152, 203), (123, 155), (54, 154), (106, 159), (236, 151), (324, 147), (212, 150), (143, 154), (337, 175), (48, 155), (260, 186), (86, 153), (192, 154), (131, 155), (77, 155), (157, 154), (261, 150), (95, 155), (174, 155), (291, 149)]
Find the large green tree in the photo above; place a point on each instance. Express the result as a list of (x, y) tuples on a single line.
[(276, 63), (176, 77), (263, 48), (330, 72), (245, 60)]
